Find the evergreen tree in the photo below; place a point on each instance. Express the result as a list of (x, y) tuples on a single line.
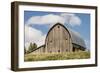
[(32, 47), (25, 50)]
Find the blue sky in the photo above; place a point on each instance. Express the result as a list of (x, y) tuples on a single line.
[(83, 27)]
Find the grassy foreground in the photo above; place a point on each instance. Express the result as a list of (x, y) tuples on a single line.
[(57, 56)]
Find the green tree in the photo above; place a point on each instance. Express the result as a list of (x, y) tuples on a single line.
[(25, 50), (32, 46)]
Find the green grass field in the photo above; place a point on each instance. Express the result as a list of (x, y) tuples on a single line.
[(57, 56)]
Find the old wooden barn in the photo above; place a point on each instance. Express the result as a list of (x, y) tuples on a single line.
[(60, 39)]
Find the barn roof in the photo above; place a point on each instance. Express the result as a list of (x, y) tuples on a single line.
[(75, 36)]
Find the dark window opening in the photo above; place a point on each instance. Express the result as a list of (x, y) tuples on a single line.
[(51, 41), (50, 51), (58, 50), (66, 38), (73, 49), (58, 26)]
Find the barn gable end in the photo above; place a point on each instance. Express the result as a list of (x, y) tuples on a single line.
[(58, 39)]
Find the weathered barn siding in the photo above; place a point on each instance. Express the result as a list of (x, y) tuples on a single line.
[(58, 40)]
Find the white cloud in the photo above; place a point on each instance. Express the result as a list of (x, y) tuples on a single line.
[(46, 19), (75, 21), (33, 35), (51, 19), (71, 19)]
